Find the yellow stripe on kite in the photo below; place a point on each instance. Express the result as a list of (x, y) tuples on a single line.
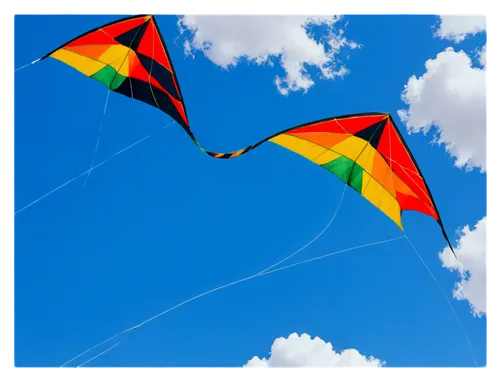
[(116, 56), (365, 159), (326, 157), (305, 148), (350, 148), (81, 63), (381, 198)]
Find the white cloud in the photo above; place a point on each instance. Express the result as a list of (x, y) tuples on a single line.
[(471, 251), (302, 351), (457, 28), (227, 40), (482, 56), (450, 96)]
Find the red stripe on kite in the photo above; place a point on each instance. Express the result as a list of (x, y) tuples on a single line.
[(122, 27), (152, 47), (330, 126), (355, 124), (96, 37)]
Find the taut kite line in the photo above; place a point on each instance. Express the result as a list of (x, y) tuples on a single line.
[(366, 151)]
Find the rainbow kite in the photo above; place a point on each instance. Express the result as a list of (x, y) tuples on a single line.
[(366, 151)]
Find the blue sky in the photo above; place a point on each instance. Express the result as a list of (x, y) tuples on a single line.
[(163, 222)]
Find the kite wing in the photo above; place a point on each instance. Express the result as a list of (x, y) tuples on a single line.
[(367, 152), (129, 56)]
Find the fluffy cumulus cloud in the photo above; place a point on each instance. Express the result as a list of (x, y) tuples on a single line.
[(457, 28), (303, 351), (471, 267), (227, 40), (482, 56), (451, 97)]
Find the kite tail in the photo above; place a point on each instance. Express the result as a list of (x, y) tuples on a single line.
[(232, 155), (221, 155), (229, 155)]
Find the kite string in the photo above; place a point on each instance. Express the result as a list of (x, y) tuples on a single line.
[(259, 273), (314, 239), (104, 352), (331, 254), (264, 271), (95, 167), (134, 328), (446, 297), (106, 104), (25, 66), (98, 139)]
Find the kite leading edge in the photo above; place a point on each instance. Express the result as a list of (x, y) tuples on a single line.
[(365, 150), (129, 56)]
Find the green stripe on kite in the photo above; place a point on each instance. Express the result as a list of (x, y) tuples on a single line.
[(356, 179), (110, 77), (344, 168)]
